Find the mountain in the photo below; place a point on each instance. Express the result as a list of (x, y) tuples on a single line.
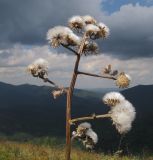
[(31, 109)]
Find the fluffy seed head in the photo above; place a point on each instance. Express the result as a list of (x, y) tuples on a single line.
[(92, 135), (123, 114), (58, 35), (85, 125), (38, 68), (73, 39), (123, 80), (92, 30), (76, 23), (90, 48), (113, 98), (104, 30), (82, 128), (89, 20)]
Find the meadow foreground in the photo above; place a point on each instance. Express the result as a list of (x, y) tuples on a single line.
[(26, 151)]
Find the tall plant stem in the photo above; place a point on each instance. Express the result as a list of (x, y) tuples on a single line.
[(69, 100)]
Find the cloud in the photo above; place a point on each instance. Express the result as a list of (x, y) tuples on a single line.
[(26, 22), (131, 31), (13, 68)]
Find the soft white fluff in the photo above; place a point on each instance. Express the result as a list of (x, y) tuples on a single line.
[(92, 135), (58, 30), (58, 35), (123, 114), (113, 95), (128, 76), (89, 20), (38, 65), (85, 125), (92, 28), (42, 63), (102, 26), (76, 19), (74, 38)]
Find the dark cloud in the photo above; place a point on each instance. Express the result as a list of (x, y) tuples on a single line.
[(27, 22)]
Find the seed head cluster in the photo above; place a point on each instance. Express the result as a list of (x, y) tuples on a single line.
[(122, 111)]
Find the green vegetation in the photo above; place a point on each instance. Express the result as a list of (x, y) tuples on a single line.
[(25, 147), (27, 151)]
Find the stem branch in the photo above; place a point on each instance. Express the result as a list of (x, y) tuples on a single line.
[(96, 75), (70, 49), (72, 121)]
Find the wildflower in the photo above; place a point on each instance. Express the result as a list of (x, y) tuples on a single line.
[(58, 35), (89, 20), (104, 30), (90, 140), (85, 125), (38, 68), (73, 39), (123, 80), (86, 135), (90, 48), (76, 22), (90, 133), (113, 98), (92, 30), (123, 114)]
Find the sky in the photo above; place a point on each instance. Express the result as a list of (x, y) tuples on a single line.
[(129, 48)]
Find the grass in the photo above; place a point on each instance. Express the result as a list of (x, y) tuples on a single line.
[(10, 150)]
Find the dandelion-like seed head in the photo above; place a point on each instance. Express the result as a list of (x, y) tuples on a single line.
[(123, 114), (85, 134), (73, 39), (38, 68), (58, 35), (89, 20), (32, 69), (93, 135), (90, 48), (123, 80), (113, 98), (82, 128), (76, 23), (104, 30), (92, 30)]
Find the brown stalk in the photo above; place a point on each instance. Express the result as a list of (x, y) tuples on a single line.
[(96, 75), (69, 99), (72, 121), (69, 49), (49, 81)]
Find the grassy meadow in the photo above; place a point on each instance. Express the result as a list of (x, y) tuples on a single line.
[(50, 149)]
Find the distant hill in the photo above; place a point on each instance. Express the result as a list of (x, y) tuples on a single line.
[(31, 109)]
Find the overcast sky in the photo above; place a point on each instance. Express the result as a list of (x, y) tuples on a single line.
[(23, 27)]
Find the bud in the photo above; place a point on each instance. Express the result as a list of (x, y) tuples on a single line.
[(123, 80)]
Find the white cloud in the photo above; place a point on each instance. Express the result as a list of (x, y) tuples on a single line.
[(61, 67)]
